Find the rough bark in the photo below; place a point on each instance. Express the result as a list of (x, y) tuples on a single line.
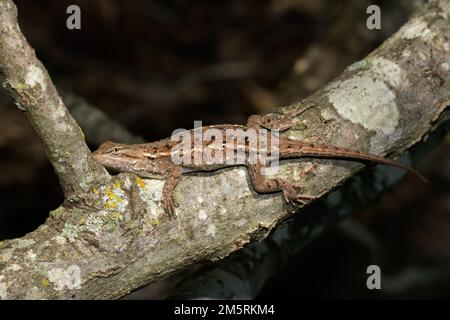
[(118, 238)]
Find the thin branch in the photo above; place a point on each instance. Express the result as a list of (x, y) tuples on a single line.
[(97, 126), (31, 88)]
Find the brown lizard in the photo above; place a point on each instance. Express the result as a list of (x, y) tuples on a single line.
[(155, 159)]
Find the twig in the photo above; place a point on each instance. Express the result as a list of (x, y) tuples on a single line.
[(97, 126)]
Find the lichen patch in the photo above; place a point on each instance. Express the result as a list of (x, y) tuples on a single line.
[(357, 65), (59, 111), (6, 255), (94, 224), (24, 243), (35, 76), (70, 232), (150, 192), (200, 199), (114, 197), (62, 126), (241, 222), (3, 289), (69, 277), (406, 53), (127, 183), (211, 230), (445, 9), (202, 215), (59, 240), (141, 183), (414, 29), (14, 267), (31, 255), (366, 101), (388, 71)]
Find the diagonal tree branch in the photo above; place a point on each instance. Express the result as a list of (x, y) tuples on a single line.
[(120, 238), (31, 88), (97, 126)]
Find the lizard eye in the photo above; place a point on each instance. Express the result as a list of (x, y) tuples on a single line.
[(114, 149)]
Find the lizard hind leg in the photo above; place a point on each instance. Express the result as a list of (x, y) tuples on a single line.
[(293, 196), (291, 192), (275, 122)]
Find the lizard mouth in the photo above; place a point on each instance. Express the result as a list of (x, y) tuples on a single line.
[(97, 156), (114, 163)]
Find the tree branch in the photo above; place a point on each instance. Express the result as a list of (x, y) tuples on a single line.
[(31, 88), (120, 238), (97, 126)]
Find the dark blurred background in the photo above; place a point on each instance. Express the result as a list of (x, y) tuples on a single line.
[(154, 66)]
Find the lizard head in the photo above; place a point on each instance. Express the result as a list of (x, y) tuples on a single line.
[(117, 156)]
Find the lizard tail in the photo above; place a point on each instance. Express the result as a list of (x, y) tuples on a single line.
[(292, 149)]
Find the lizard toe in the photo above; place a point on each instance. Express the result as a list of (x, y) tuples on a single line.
[(169, 207), (293, 197)]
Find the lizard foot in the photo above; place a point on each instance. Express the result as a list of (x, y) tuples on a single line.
[(278, 121), (169, 206), (293, 196), (270, 122)]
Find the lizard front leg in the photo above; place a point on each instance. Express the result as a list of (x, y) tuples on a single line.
[(163, 169), (261, 184), (168, 189), (273, 122)]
